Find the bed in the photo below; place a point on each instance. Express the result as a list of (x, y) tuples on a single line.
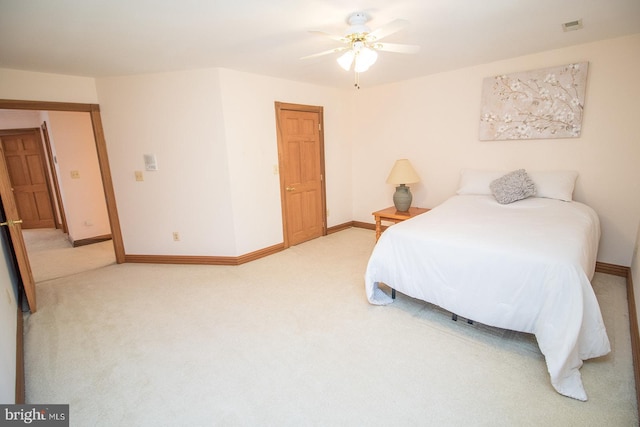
[(524, 265)]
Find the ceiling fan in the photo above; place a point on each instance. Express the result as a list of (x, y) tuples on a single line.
[(361, 45)]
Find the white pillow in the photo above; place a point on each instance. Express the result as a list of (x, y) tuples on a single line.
[(549, 184), (474, 181), (554, 184)]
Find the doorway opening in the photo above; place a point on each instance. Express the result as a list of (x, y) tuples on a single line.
[(17, 234)]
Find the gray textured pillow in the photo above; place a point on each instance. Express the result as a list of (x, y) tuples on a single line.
[(512, 187)]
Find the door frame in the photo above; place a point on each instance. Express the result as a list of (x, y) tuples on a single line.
[(59, 205), (280, 106), (101, 149)]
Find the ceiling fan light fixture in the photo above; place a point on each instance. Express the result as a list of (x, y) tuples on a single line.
[(346, 59), (361, 45), (365, 58)]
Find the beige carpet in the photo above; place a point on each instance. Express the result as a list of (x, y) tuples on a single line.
[(290, 340), (51, 254)]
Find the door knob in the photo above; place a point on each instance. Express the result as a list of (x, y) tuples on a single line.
[(11, 222), (290, 188)]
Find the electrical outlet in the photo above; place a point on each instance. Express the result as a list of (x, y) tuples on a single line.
[(139, 176), (176, 236), (75, 174), (328, 212)]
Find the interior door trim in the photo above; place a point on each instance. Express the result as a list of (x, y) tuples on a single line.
[(59, 204), (101, 148)]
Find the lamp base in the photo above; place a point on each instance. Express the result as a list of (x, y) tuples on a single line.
[(402, 198)]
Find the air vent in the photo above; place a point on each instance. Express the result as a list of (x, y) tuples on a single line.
[(572, 25)]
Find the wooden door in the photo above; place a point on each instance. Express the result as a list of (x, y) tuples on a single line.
[(25, 163), (301, 167), (12, 221)]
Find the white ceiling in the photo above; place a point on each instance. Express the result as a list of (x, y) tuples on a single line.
[(122, 37)]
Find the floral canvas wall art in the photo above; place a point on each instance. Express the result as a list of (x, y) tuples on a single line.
[(545, 103)]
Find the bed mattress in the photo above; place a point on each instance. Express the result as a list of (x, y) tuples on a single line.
[(525, 266)]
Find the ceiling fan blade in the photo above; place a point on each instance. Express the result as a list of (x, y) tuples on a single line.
[(395, 47), (386, 30), (342, 39), (326, 52)]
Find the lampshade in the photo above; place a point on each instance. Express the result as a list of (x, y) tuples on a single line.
[(365, 58), (402, 173), (346, 59)]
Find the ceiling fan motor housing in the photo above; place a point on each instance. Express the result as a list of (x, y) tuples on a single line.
[(358, 27)]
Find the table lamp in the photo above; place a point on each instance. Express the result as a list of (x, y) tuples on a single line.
[(401, 174)]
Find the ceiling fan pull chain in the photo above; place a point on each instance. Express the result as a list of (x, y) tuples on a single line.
[(357, 80)]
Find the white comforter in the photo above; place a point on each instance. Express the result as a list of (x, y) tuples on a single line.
[(525, 266)]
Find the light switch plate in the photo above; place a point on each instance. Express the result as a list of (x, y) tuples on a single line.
[(150, 162)]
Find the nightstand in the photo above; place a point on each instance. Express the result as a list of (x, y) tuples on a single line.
[(395, 216)]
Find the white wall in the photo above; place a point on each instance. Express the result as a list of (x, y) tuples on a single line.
[(248, 102), (8, 322), (74, 148), (30, 86), (19, 119), (178, 117), (214, 134), (434, 122)]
